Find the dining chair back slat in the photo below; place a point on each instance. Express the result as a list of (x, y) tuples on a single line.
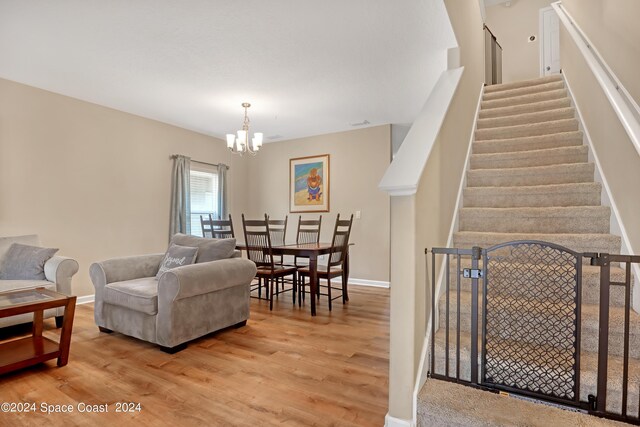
[(278, 230), (278, 233), (258, 241), (308, 232), (340, 241), (205, 224), (217, 228), (222, 228)]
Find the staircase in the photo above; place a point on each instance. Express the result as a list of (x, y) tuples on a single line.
[(530, 179)]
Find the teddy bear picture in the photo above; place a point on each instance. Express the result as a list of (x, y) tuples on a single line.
[(309, 184)]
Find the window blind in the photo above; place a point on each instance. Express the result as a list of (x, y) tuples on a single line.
[(204, 198)]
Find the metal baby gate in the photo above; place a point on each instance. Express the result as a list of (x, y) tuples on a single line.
[(520, 332)]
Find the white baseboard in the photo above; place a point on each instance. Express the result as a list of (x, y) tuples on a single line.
[(87, 299), (390, 421), (363, 282)]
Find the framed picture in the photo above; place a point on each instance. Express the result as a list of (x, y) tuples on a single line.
[(309, 184)]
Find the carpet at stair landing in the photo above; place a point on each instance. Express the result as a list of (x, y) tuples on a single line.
[(448, 404), (530, 179)]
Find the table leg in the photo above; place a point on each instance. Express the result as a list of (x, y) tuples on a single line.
[(65, 334), (38, 317), (313, 281)]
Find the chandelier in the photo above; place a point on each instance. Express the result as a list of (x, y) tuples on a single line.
[(240, 144)]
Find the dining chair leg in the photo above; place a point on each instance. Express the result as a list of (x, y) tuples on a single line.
[(329, 291), (271, 295), (293, 287), (304, 288), (345, 294), (259, 287)]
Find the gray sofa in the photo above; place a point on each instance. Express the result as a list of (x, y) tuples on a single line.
[(58, 271), (185, 303)]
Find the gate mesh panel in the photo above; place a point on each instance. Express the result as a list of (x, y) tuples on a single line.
[(531, 319)]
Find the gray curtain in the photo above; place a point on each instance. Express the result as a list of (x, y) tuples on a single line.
[(180, 220), (222, 191)]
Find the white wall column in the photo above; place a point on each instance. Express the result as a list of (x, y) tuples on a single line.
[(402, 363)]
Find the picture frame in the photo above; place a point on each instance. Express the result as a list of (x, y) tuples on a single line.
[(309, 184)]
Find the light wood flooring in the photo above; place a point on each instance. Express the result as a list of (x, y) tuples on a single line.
[(283, 368)]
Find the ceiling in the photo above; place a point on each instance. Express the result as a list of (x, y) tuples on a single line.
[(307, 67)]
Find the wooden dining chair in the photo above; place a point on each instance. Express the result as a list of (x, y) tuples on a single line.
[(258, 246), (207, 227), (222, 228), (278, 233), (336, 264), (308, 232)]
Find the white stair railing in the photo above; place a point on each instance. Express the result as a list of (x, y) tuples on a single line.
[(626, 108)]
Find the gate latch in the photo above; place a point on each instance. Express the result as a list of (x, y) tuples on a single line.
[(472, 273)]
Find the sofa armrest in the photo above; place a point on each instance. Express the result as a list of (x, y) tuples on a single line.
[(203, 278), (125, 268), (60, 270)]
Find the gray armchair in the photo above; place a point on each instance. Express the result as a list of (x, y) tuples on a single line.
[(58, 271), (185, 303)]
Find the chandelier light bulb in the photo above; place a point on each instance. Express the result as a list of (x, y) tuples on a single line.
[(241, 144)]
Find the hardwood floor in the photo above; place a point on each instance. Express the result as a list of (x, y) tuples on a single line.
[(283, 368)]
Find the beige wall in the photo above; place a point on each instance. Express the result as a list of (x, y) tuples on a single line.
[(93, 181), (438, 190), (358, 159), (612, 26), (423, 220), (619, 160), (512, 27)]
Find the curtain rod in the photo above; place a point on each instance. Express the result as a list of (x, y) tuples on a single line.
[(198, 161)]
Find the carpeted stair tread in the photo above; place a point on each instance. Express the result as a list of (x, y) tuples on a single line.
[(519, 159), (534, 117), (606, 243), (555, 140), (529, 129), (583, 219), (442, 403), (528, 309), (524, 99), (576, 194), (525, 90), (533, 107), (590, 280), (535, 175), (448, 404), (588, 369), (523, 83)]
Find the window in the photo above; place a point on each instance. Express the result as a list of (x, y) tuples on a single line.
[(204, 196)]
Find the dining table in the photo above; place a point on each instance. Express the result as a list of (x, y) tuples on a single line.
[(311, 251)]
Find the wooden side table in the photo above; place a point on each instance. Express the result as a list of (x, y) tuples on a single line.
[(28, 351)]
